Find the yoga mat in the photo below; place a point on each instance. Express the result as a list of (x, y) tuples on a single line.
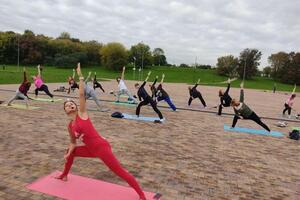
[(96, 110), (141, 118), (253, 131), (46, 100), (124, 103), (82, 188), (20, 106)]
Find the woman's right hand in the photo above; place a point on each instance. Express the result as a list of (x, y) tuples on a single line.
[(66, 156)]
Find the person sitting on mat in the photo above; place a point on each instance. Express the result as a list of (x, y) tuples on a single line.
[(242, 110), (163, 95), (22, 91), (194, 93), (96, 84), (95, 146), (289, 103), (123, 88), (224, 98), (39, 84), (146, 99)]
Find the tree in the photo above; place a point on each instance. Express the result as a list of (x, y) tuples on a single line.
[(113, 55), (141, 54), (267, 71), (227, 65), (64, 35), (279, 63), (158, 57), (248, 61)]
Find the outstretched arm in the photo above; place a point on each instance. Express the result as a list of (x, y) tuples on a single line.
[(88, 77), (82, 106), (162, 78), (25, 75), (242, 93), (123, 73), (228, 86), (95, 77), (73, 76), (153, 84), (196, 84), (294, 90), (39, 71), (146, 79)]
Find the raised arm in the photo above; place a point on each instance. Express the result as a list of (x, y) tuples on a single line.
[(294, 90), (228, 86), (144, 83), (123, 73), (162, 78), (153, 84), (82, 106), (242, 93), (39, 71), (24, 75), (195, 86), (88, 77), (95, 77), (73, 76)]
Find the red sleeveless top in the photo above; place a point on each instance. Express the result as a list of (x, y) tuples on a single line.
[(85, 128)]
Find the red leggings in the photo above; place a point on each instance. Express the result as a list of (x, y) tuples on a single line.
[(106, 155)]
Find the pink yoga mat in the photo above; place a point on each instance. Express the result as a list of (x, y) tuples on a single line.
[(82, 188)]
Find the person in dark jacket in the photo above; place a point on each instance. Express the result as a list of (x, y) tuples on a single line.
[(194, 93), (225, 98), (163, 95), (241, 110), (145, 98)]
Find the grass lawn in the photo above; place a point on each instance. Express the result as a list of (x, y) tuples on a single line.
[(180, 75)]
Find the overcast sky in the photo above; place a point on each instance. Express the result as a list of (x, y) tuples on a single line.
[(184, 29)]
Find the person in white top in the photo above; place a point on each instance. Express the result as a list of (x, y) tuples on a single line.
[(123, 89)]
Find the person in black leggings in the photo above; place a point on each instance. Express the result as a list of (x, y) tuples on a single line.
[(242, 110), (194, 93), (96, 84), (146, 99), (225, 99)]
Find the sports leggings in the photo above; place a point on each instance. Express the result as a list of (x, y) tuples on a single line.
[(169, 102), (105, 154), (253, 117), (146, 102), (45, 89), (201, 99), (287, 108)]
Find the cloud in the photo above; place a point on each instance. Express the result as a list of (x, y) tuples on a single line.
[(185, 29)]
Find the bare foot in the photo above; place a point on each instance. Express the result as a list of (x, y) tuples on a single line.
[(63, 178)]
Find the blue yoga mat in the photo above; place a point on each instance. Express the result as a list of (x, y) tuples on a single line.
[(141, 118), (253, 131)]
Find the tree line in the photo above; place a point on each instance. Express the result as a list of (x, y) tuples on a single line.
[(284, 67), (32, 49)]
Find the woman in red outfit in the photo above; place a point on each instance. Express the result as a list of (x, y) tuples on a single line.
[(95, 146)]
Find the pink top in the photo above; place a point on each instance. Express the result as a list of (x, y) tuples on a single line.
[(90, 137), (290, 101), (38, 82)]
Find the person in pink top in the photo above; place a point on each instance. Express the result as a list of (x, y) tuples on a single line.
[(289, 103), (39, 84), (95, 146)]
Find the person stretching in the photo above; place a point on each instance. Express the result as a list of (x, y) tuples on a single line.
[(225, 99), (95, 146), (39, 84), (123, 88), (72, 83), (96, 84), (146, 99), (22, 91), (242, 110), (163, 95), (194, 93), (289, 103)]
